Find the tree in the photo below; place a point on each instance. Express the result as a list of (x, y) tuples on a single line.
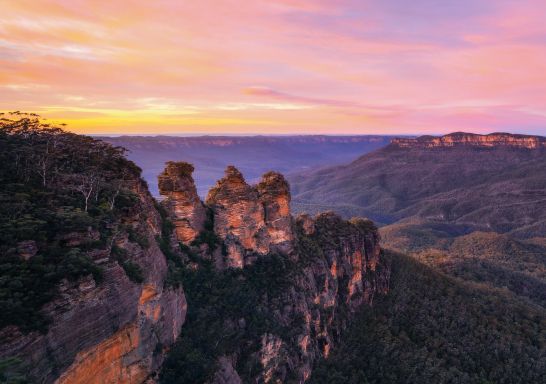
[(87, 184)]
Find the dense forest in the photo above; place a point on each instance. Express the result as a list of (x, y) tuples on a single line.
[(229, 311), (497, 261), (61, 196), (431, 328)]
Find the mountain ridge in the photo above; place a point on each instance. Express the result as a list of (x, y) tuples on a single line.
[(458, 139), (253, 155), (466, 185)]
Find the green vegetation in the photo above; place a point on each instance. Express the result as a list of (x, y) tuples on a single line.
[(175, 271), (133, 271), (502, 189), (12, 371), (61, 195), (228, 312), (138, 238), (497, 261), (433, 329)]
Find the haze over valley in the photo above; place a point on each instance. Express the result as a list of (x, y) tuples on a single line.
[(253, 155)]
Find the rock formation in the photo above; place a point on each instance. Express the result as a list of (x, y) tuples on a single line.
[(112, 331), (274, 194), (345, 272), (177, 186), (251, 221), (458, 139), (119, 330), (335, 267), (238, 218)]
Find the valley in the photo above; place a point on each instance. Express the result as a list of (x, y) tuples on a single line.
[(101, 282), (253, 155)]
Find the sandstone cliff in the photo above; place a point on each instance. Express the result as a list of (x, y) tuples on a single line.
[(110, 331), (268, 295), (251, 221), (188, 213), (458, 139), (291, 284)]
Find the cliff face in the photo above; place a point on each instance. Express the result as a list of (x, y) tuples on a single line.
[(269, 294), (340, 270), (274, 194), (177, 186), (115, 330), (326, 269), (251, 221), (460, 139)]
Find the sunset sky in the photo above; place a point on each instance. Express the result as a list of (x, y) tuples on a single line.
[(226, 66)]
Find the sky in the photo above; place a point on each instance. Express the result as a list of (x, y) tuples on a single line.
[(277, 67)]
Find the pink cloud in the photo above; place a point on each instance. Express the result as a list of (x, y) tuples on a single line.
[(363, 66)]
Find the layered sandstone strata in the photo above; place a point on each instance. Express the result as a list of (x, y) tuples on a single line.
[(274, 195), (340, 269), (238, 218), (112, 331), (188, 213), (459, 139), (251, 221), (337, 268)]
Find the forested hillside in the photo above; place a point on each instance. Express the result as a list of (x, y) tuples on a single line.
[(499, 187), (433, 329), (472, 206), (83, 284), (59, 197)]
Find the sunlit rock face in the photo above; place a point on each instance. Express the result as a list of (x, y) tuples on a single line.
[(274, 194), (461, 139), (239, 218), (341, 274), (177, 186), (112, 331), (251, 220), (338, 269)]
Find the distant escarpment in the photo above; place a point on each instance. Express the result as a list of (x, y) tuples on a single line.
[(268, 295), (469, 182), (253, 155), (459, 139), (472, 206)]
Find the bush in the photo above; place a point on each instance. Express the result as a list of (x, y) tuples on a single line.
[(133, 271)]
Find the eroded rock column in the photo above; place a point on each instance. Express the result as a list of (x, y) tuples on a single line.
[(177, 186), (238, 218), (274, 194)]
